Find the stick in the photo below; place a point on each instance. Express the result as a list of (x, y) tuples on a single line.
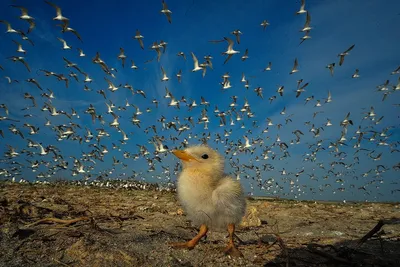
[(376, 229), (61, 221)]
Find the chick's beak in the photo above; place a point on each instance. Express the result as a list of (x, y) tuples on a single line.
[(182, 155)]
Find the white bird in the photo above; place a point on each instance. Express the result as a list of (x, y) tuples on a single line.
[(247, 142), (265, 23), (305, 37), (196, 63), (59, 15), (24, 13), (230, 52), (307, 26), (355, 75), (345, 53), (165, 77), (19, 47), (269, 67), (166, 11), (139, 37), (295, 65), (329, 99), (173, 102), (9, 28), (81, 54), (302, 8), (42, 150), (122, 56), (133, 65), (246, 55), (65, 45)]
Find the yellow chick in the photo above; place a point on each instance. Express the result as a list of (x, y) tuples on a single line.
[(211, 198)]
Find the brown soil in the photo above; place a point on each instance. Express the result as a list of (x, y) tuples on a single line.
[(110, 227)]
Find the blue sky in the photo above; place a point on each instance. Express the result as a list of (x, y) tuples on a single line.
[(107, 26)]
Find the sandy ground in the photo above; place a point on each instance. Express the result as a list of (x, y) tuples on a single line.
[(133, 228)]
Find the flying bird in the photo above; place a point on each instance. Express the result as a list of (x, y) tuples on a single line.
[(230, 52), (9, 28), (264, 24), (24, 13), (237, 33), (331, 67), (345, 53), (22, 60), (59, 15), (139, 37), (295, 65), (301, 90), (181, 54), (245, 56), (302, 8), (122, 56), (307, 26), (166, 11), (305, 37), (268, 67), (65, 45), (196, 63), (165, 77), (65, 28), (19, 47), (355, 74)]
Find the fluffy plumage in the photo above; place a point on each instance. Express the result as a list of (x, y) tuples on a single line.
[(208, 195), (211, 198)]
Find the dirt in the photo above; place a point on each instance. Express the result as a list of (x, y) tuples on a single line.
[(118, 227)]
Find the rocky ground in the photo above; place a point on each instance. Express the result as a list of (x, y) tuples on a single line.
[(110, 227)]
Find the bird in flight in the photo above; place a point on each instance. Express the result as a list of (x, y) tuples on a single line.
[(343, 54), (295, 65), (139, 37), (302, 8), (230, 52), (166, 11)]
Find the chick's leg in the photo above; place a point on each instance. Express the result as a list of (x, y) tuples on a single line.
[(231, 248), (192, 243)]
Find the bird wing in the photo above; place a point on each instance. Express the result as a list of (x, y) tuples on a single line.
[(227, 198), (168, 17), (196, 61), (230, 43), (26, 65), (303, 4), (141, 43), (58, 10), (308, 19), (349, 49), (341, 60), (229, 57)]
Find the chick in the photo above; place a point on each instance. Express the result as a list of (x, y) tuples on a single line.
[(211, 198)]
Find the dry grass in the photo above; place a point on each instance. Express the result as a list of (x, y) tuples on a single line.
[(108, 227)]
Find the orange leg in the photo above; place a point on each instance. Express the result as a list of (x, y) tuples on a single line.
[(231, 248), (192, 243)]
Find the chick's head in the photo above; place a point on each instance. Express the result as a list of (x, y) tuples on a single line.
[(201, 158)]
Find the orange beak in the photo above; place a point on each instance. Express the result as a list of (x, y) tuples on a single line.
[(182, 155)]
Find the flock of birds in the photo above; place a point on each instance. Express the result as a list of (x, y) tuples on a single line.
[(250, 157)]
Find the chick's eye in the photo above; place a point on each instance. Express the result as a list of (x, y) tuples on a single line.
[(205, 156)]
